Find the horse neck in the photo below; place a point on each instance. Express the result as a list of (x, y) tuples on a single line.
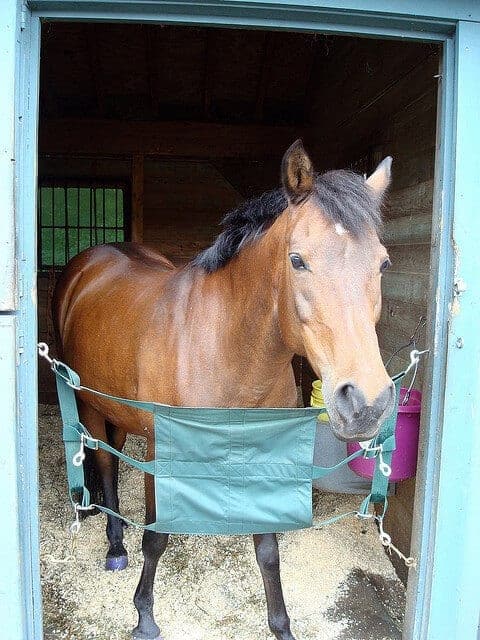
[(254, 283)]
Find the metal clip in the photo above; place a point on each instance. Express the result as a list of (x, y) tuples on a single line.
[(92, 443), (368, 448), (43, 352), (79, 457), (385, 468), (364, 516), (386, 540), (75, 526)]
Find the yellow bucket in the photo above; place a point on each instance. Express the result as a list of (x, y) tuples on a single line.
[(316, 399)]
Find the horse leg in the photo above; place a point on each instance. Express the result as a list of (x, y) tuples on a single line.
[(107, 467), (153, 546), (117, 558), (266, 551)]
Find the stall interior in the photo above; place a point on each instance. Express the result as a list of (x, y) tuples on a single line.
[(152, 133)]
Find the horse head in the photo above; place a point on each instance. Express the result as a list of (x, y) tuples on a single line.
[(333, 265)]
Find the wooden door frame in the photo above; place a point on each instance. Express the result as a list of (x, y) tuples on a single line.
[(442, 599)]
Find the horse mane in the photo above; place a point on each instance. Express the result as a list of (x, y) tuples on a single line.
[(343, 196)]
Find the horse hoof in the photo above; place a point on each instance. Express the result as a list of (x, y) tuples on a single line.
[(159, 637), (116, 563)]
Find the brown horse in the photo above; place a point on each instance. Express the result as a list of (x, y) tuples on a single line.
[(296, 271)]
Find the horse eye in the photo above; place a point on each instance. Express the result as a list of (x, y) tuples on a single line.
[(386, 264), (297, 262)]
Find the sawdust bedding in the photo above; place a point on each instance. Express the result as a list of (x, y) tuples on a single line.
[(206, 587)]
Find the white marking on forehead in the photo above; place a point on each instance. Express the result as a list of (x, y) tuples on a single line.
[(340, 229)]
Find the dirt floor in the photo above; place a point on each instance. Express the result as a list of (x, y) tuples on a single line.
[(338, 582)]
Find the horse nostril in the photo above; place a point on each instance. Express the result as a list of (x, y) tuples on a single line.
[(386, 399), (348, 400), (345, 391)]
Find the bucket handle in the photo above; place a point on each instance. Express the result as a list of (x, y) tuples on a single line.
[(414, 359)]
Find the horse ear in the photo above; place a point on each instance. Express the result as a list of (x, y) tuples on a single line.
[(297, 173), (380, 178)]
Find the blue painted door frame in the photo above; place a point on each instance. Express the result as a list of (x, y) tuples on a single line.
[(443, 602)]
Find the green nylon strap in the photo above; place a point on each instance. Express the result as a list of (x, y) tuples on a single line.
[(68, 408), (320, 472), (72, 379), (385, 438)]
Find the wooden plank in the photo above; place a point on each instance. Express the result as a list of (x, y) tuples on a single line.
[(409, 258), (137, 197), (166, 139), (375, 121), (401, 286), (454, 560), (412, 229), (411, 200)]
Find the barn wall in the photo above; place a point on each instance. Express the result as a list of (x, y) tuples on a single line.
[(373, 114), (408, 239), (183, 204)]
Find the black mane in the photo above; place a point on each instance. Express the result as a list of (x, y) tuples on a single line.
[(343, 196)]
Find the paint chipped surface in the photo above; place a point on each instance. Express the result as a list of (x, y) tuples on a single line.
[(206, 587)]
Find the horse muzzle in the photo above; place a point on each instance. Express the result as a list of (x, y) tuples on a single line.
[(354, 420)]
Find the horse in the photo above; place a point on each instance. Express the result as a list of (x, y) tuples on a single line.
[(295, 271)]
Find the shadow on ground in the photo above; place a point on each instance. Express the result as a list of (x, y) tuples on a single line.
[(371, 605)]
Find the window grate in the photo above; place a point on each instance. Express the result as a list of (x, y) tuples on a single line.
[(73, 217)]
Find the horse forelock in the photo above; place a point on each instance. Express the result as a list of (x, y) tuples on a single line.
[(343, 196)]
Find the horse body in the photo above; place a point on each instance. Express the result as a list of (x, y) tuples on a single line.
[(179, 337), (293, 273)]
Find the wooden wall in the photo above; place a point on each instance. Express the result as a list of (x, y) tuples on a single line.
[(385, 104), (183, 204)]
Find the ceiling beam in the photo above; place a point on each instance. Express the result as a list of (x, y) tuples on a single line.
[(166, 139)]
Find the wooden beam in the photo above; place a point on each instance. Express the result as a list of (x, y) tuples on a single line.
[(165, 139), (137, 197)]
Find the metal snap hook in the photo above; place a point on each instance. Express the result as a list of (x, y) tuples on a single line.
[(43, 352), (79, 457), (385, 468), (75, 526)]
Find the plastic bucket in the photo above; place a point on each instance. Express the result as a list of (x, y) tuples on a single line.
[(404, 458), (316, 399)]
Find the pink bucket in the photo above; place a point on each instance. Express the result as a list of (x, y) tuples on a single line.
[(404, 458)]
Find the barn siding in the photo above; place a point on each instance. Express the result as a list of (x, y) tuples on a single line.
[(373, 109), (184, 203)]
